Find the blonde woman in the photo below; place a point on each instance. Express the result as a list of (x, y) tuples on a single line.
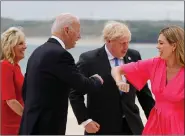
[(13, 47), (166, 74)]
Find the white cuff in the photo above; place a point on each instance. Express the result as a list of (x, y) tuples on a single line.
[(86, 122)]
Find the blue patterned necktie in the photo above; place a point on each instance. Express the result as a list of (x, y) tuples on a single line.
[(117, 64)]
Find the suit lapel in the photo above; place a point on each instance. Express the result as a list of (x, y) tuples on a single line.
[(103, 61), (127, 59), (105, 67)]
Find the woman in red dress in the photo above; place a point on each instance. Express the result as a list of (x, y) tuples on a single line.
[(13, 47)]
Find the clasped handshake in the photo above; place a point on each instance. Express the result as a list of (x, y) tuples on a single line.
[(124, 87)]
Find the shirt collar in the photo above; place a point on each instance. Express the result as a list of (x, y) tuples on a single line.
[(110, 56), (60, 41)]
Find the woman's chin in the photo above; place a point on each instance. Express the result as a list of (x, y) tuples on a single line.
[(162, 57)]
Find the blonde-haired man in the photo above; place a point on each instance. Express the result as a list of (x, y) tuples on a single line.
[(109, 111)]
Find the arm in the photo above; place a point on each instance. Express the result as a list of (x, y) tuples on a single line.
[(67, 71), (137, 73), (15, 106), (8, 89), (78, 104), (116, 73), (81, 112), (76, 98)]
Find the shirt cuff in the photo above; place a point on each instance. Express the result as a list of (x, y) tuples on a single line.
[(86, 122)]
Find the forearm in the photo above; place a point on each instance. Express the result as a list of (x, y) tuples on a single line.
[(117, 73), (15, 106), (78, 106)]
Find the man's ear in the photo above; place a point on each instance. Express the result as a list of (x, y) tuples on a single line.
[(66, 29)]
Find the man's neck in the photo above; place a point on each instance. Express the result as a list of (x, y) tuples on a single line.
[(58, 36), (62, 42)]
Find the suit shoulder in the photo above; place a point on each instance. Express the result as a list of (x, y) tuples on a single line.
[(133, 52), (49, 53), (50, 49), (90, 54)]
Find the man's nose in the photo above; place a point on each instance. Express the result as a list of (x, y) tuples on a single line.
[(24, 46), (79, 36), (158, 46)]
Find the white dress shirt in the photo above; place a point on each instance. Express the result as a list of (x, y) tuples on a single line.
[(112, 64), (60, 41)]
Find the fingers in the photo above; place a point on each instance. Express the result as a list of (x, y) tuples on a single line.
[(123, 86), (97, 125), (95, 128), (92, 127), (99, 77), (128, 87)]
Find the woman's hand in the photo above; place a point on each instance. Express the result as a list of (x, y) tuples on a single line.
[(124, 87)]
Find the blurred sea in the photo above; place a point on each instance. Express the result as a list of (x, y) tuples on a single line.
[(146, 51)]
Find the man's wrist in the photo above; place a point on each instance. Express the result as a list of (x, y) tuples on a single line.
[(86, 122)]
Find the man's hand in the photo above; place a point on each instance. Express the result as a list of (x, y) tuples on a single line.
[(92, 127), (99, 77), (124, 87)]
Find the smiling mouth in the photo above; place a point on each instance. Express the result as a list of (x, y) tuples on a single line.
[(124, 51), (160, 53), (22, 52)]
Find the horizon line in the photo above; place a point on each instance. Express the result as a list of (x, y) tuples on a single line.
[(94, 19)]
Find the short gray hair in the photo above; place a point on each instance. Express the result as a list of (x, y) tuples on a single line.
[(114, 30), (62, 20)]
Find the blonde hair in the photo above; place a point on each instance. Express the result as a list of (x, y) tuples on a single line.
[(114, 30), (175, 35), (10, 38)]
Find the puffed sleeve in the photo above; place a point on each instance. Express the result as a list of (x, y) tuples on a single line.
[(138, 73)]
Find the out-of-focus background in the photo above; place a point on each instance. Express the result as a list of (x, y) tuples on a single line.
[(144, 18)]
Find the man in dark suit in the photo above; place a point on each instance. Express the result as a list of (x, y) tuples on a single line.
[(110, 111), (50, 74)]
